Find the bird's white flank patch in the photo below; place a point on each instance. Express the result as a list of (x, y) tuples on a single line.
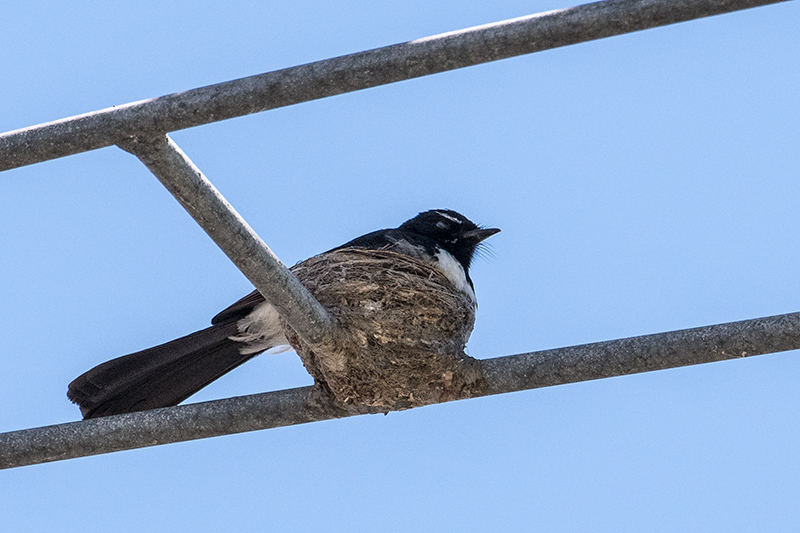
[(261, 330)]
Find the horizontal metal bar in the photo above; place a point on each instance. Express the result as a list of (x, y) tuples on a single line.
[(503, 374), (235, 237), (348, 73), (645, 353)]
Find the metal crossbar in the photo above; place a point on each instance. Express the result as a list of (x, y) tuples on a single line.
[(440, 53), (141, 128)]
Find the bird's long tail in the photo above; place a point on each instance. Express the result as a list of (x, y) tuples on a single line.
[(161, 376)]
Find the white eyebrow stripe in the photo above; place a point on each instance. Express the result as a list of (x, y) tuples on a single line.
[(448, 217)]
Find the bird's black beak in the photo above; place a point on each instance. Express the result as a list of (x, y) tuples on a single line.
[(481, 234)]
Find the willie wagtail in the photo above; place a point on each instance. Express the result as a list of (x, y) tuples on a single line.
[(166, 375)]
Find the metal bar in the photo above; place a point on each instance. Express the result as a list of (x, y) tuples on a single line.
[(643, 354), (353, 72), (235, 237), (503, 374)]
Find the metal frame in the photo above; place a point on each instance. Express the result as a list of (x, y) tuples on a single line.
[(141, 127)]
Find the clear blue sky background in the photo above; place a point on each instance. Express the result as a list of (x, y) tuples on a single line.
[(644, 183)]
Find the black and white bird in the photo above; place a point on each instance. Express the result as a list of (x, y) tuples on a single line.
[(166, 375)]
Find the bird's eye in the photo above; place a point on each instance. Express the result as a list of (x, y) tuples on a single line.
[(441, 225)]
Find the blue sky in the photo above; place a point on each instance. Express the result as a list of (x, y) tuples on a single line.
[(643, 183)]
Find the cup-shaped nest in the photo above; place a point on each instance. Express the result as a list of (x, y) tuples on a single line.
[(402, 331)]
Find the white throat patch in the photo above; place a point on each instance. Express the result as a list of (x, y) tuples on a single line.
[(455, 273)]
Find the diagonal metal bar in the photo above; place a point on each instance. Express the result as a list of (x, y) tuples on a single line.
[(503, 374), (473, 46), (235, 237)]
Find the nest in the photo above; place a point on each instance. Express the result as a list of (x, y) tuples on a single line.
[(403, 327)]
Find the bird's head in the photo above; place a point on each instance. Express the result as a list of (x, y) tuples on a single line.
[(452, 231)]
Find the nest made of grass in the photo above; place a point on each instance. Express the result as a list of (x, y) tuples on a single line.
[(403, 327)]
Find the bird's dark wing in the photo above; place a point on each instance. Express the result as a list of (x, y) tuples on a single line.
[(240, 309), (374, 241), (397, 240)]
